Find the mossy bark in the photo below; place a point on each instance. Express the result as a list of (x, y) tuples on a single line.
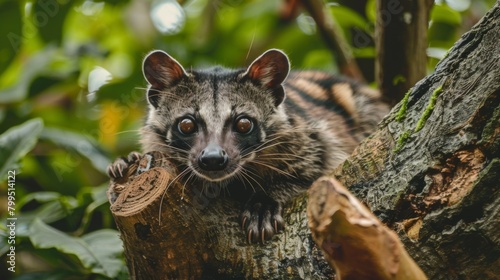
[(433, 171)]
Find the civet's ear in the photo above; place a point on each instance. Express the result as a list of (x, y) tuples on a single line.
[(270, 71), (161, 71)]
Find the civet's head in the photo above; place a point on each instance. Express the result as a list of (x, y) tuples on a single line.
[(214, 122)]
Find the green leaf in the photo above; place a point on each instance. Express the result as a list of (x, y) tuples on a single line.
[(107, 246), (11, 33), (366, 52), (17, 142), (49, 16), (318, 59), (30, 70), (54, 207), (41, 197), (348, 18), (80, 143), (445, 14), (50, 211), (371, 10), (98, 251), (99, 197)]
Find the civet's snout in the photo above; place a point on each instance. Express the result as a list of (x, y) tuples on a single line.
[(213, 158)]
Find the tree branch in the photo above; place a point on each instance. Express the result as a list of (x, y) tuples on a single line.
[(334, 39), (356, 243), (181, 232), (432, 168), (401, 43)]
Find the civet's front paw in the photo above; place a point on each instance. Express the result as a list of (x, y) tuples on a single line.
[(261, 218), (118, 169)]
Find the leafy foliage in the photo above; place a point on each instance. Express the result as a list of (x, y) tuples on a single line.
[(18, 141), (97, 251), (72, 99)]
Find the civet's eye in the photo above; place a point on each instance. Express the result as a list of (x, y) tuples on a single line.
[(243, 125), (187, 126)]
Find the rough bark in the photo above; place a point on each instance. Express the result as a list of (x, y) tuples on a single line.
[(431, 171), (433, 168), (353, 240), (172, 231), (401, 43), (176, 234)]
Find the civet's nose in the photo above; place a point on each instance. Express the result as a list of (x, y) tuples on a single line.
[(213, 158)]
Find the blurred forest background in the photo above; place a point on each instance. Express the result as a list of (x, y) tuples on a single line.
[(72, 99)]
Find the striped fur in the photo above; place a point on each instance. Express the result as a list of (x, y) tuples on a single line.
[(304, 124)]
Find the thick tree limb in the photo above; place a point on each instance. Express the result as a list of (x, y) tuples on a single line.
[(356, 243), (172, 231), (432, 168)]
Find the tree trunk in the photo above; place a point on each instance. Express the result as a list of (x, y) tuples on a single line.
[(180, 232), (401, 43), (431, 172), (432, 169)]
